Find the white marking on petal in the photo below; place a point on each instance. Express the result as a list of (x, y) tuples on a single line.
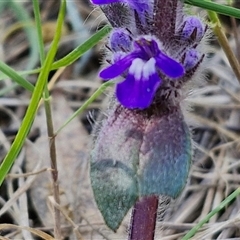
[(136, 68), (149, 68), (141, 70)]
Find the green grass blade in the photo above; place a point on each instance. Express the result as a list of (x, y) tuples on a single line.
[(32, 109), (96, 94), (37, 17), (19, 73), (79, 51), (222, 205), (23, 16), (9, 72), (222, 9), (72, 56)]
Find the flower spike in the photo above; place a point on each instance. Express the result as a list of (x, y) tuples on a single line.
[(143, 146)]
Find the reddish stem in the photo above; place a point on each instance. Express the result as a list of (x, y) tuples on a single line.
[(143, 219)]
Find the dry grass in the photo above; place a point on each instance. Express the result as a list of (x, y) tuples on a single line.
[(26, 197)]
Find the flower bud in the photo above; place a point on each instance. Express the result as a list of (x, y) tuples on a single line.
[(192, 58), (193, 29), (120, 41)]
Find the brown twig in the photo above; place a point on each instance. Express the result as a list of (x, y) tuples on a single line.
[(223, 41), (53, 160)]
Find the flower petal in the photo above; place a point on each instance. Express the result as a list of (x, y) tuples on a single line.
[(133, 93), (117, 68), (100, 2), (139, 5), (169, 66)]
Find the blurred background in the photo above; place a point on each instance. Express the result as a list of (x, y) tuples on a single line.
[(26, 195)]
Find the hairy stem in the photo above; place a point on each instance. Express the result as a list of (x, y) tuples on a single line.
[(143, 219)]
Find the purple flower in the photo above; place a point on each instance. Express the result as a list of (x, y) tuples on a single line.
[(149, 52), (141, 69)]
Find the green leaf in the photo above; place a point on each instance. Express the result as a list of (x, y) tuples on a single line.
[(72, 56), (39, 30), (23, 16), (94, 96), (79, 51)]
